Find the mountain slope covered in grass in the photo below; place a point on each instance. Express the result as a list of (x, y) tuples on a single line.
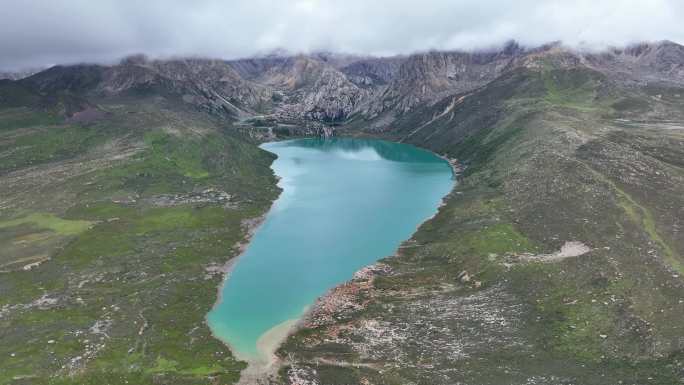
[(115, 224), (558, 257)]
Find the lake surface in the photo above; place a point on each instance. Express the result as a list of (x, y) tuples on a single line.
[(345, 204)]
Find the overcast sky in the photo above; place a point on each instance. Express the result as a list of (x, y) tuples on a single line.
[(40, 32)]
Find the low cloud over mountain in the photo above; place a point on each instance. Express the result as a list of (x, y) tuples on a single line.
[(37, 33)]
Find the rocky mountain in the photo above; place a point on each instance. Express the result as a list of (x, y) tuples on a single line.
[(332, 89), (557, 259), (308, 88), (209, 84), (642, 62)]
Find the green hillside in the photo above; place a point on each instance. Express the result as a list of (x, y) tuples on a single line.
[(483, 293)]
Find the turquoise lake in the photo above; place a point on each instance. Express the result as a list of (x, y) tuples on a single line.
[(345, 204)]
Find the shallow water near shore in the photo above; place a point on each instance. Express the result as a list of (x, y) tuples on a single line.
[(345, 204)]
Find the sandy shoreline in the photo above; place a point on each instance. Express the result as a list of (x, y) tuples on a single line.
[(257, 368), (267, 363), (269, 342)]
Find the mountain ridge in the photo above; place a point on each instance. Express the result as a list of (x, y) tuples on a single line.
[(558, 257), (333, 89)]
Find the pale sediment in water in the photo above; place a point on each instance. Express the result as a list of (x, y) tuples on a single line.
[(266, 362), (269, 342)]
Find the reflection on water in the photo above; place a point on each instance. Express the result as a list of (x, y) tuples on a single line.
[(383, 149)]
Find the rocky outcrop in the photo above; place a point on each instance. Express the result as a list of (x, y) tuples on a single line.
[(209, 84), (429, 76), (332, 88), (307, 88), (373, 72), (640, 63)]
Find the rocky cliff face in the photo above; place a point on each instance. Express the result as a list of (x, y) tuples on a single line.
[(430, 76), (372, 72), (309, 89), (663, 61), (332, 89), (209, 84)]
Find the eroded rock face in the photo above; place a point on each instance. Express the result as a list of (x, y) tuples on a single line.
[(373, 71), (429, 76), (642, 62), (330, 88), (310, 89)]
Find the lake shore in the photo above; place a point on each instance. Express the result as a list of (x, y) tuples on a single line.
[(392, 167), (268, 363), (251, 226)]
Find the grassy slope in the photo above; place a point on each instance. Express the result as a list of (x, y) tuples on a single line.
[(124, 288), (123, 282), (547, 163)]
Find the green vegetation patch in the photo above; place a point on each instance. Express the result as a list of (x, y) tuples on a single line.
[(136, 278), (574, 88), (497, 239), (50, 222), (50, 143), (186, 155), (22, 117)]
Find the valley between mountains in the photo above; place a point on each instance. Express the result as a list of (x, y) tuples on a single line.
[(558, 258)]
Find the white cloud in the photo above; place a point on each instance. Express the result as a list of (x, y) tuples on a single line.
[(37, 32)]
